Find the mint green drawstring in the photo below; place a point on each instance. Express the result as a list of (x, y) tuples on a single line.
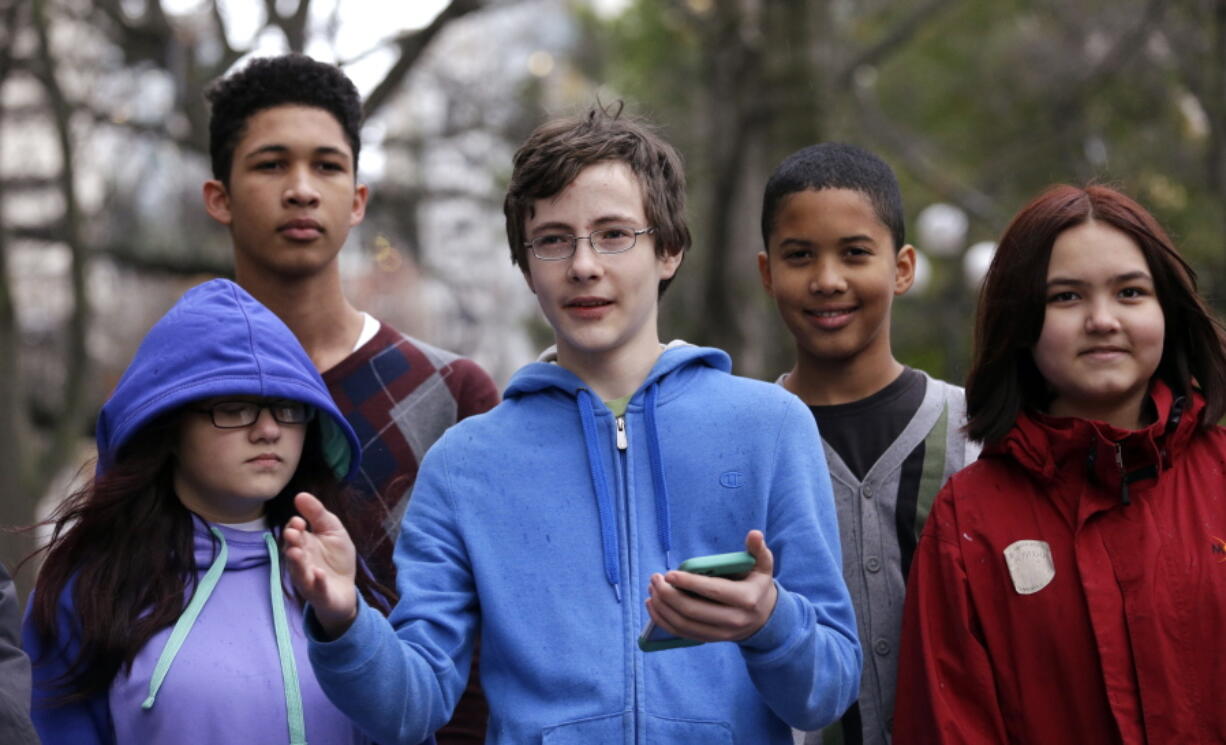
[(185, 622), (285, 651), (289, 667)]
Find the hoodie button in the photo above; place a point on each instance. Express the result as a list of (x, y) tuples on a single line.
[(873, 564), (867, 491), (881, 647)]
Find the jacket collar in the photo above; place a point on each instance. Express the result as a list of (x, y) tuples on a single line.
[(1063, 451)]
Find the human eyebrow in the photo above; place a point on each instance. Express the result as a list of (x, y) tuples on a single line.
[(1132, 277), (329, 150), (859, 238), (263, 150), (614, 219), (1070, 281), (551, 227)]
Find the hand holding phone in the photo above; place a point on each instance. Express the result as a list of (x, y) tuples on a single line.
[(700, 608), (734, 565)]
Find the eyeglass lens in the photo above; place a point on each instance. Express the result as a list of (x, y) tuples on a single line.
[(563, 245), (228, 414)]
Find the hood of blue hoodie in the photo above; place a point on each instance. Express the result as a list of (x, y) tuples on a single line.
[(219, 341)]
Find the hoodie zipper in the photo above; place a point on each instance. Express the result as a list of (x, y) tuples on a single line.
[(623, 444)]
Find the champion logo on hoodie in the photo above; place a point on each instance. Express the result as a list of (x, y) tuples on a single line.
[(732, 479)]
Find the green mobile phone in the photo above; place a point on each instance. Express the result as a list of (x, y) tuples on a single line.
[(732, 565)]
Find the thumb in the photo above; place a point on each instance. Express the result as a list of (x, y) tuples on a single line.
[(316, 515), (755, 545)]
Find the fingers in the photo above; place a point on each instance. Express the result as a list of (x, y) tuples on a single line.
[(300, 573), (694, 618), (755, 545), (724, 609), (316, 515)]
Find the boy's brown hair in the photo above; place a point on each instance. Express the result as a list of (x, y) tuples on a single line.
[(555, 153)]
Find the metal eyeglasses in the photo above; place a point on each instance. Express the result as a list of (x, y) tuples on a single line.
[(560, 246)]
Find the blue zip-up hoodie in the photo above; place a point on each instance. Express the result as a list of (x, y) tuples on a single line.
[(531, 526), (235, 675)]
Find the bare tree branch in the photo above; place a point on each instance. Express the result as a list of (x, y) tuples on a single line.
[(894, 39), (411, 44)]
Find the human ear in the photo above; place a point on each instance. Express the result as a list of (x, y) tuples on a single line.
[(764, 271), (217, 201), (904, 269), (669, 263), (358, 212)]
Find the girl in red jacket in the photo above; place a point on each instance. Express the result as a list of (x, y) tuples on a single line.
[(1070, 586)]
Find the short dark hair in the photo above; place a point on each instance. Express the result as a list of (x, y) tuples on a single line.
[(267, 82), (1004, 379), (835, 165), (556, 151)]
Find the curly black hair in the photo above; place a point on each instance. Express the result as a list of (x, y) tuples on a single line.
[(290, 79), (834, 165)]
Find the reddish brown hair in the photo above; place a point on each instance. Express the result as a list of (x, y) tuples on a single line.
[(1004, 379)]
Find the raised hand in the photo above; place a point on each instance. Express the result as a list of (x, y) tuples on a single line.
[(322, 564), (729, 610)]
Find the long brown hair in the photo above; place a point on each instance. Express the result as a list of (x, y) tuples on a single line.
[(123, 546), (1004, 379)]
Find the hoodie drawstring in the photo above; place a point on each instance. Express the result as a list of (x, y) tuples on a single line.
[(184, 625), (289, 668), (664, 525), (604, 498), (285, 650)]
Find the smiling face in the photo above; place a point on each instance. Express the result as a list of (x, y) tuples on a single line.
[(602, 307), (291, 198), (833, 272), (1103, 328), (227, 475)]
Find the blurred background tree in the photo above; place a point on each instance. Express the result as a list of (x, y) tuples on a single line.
[(976, 104)]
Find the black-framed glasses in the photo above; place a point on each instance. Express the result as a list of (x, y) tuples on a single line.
[(239, 414), (559, 246)]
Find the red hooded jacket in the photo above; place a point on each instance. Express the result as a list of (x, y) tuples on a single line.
[(1070, 587)]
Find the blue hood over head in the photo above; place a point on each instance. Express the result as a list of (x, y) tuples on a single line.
[(219, 341)]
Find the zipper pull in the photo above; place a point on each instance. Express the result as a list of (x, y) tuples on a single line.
[(622, 442), (1119, 461)]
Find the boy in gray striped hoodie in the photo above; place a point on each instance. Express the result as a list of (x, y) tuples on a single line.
[(835, 258)]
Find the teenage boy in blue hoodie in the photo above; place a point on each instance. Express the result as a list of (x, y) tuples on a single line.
[(835, 259), (552, 525)]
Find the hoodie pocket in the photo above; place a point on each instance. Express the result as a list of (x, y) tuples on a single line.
[(595, 731), (665, 729), (611, 730)]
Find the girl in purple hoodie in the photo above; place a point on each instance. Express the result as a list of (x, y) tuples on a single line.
[(161, 613)]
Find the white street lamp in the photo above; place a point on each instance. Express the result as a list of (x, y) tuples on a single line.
[(942, 229), (975, 262)]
